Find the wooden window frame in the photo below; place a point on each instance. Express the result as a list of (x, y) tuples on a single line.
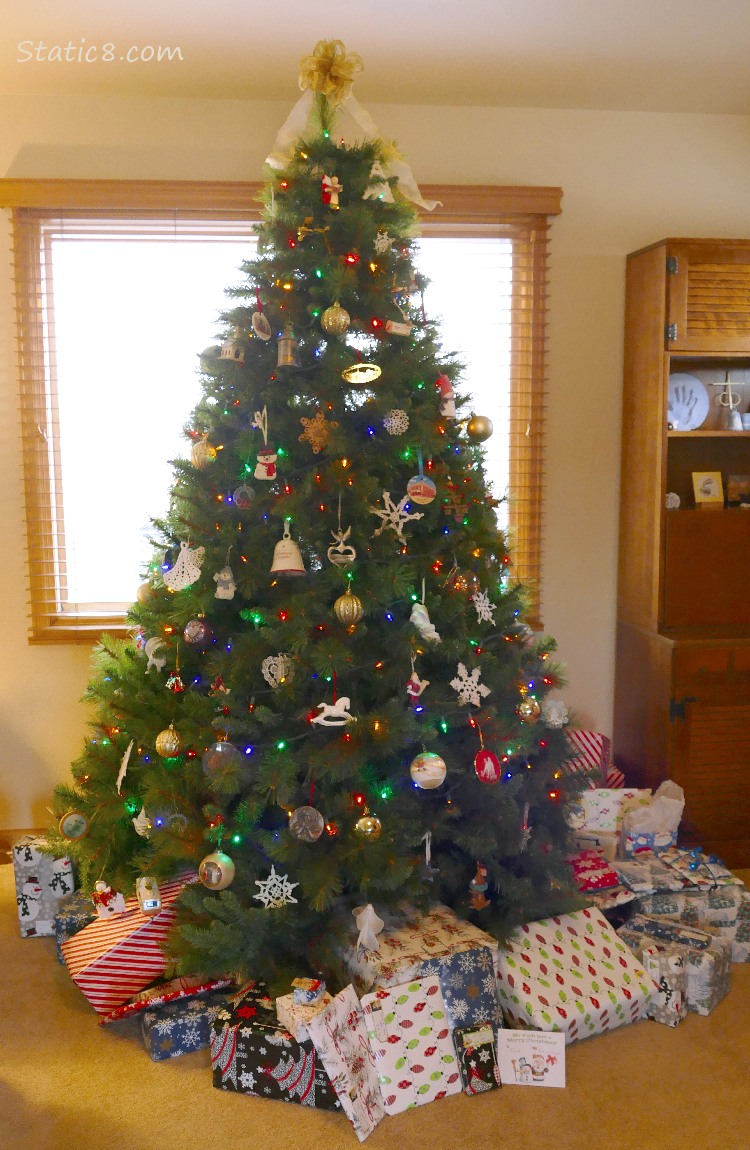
[(519, 213)]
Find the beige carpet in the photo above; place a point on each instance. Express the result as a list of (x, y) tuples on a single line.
[(67, 1084)]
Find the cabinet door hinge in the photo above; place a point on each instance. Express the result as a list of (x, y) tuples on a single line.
[(677, 707), (673, 265), (670, 332)]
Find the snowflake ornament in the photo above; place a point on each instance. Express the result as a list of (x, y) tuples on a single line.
[(383, 243), (554, 713), (394, 515), (276, 890), (470, 690), (396, 421), (485, 610), (187, 569), (317, 431)]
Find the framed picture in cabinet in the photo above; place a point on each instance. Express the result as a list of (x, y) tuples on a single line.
[(708, 489), (738, 490)]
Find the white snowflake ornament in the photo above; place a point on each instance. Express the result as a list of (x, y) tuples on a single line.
[(187, 569), (394, 515), (396, 421), (276, 890), (470, 690), (484, 609), (554, 713), (383, 243)]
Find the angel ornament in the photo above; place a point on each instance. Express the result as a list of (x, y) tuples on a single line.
[(421, 620), (187, 569)]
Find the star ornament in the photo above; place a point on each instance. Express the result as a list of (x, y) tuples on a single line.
[(317, 431), (276, 890), (394, 515), (470, 690)]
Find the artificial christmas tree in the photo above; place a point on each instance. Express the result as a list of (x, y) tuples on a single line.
[(330, 698)]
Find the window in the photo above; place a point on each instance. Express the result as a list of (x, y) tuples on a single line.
[(68, 489)]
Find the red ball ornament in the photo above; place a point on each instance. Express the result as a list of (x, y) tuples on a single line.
[(488, 767)]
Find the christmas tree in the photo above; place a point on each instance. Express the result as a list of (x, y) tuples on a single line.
[(330, 697)]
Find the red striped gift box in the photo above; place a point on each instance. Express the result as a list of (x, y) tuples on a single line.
[(112, 959), (592, 757)]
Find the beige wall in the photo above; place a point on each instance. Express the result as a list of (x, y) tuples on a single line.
[(629, 179)]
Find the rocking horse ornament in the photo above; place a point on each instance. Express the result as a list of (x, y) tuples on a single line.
[(334, 714)]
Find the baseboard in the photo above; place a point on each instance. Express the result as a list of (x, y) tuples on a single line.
[(8, 837)]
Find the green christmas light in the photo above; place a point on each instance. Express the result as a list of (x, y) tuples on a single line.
[(281, 745)]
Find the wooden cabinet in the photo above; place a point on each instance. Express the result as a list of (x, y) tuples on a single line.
[(682, 677)]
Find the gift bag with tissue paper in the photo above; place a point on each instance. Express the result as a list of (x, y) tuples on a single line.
[(654, 827)]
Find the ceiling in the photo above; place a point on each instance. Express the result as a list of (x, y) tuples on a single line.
[(641, 55)]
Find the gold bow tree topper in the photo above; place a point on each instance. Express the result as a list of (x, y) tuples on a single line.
[(330, 71)]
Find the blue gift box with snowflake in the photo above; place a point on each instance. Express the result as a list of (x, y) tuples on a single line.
[(251, 1053), (181, 1026), (469, 987), (76, 911)]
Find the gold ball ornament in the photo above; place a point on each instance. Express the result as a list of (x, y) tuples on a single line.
[(216, 871), (348, 608), (528, 710), (427, 770), (368, 827), (479, 428), (169, 743), (335, 319), (145, 594), (202, 453)]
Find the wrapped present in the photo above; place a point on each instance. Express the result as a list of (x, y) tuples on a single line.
[(573, 974), (615, 778), (706, 954), (75, 911), (307, 990), (699, 869), (467, 983), (339, 1035), (668, 1003), (741, 940), (180, 1026), (605, 807), (112, 959), (41, 882), (605, 843), (412, 941), (647, 874), (177, 989), (477, 1058), (591, 871), (407, 1028), (252, 1054), (591, 755), (719, 907), (610, 898), (654, 842), (294, 1016)]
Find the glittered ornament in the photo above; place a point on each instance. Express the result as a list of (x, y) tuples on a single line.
[(528, 710), (216, 871), (479, 428), (427, 770), (421, 489), (368, 827), (487, 766), (202, 452), (220, 756), (169, 743), (197, 632), (335, 319), (306, 824), (348, 608)]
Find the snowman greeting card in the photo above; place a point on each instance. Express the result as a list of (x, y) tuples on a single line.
[(531, 1058)]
